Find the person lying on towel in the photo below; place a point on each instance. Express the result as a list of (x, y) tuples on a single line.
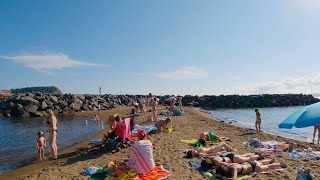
[(232, 170), (231, 157), (141, 154), (209, 136), (216, 150)]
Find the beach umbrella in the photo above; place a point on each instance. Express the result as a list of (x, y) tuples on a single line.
[(304, 117)]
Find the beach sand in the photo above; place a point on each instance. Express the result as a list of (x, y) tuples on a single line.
[(72, 162)]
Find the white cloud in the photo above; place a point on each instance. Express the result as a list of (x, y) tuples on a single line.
[(186, 72), (306, 84), (47, 62)]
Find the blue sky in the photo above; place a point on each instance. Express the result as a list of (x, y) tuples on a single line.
[(162, 47)]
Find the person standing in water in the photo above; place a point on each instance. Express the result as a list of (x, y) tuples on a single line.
[(52, 124), (258, 121), (316, 127)]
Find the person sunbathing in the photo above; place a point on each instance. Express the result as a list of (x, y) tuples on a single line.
[(141, 155), (231, 171), (211, 151), (209, 136), (230, 157)]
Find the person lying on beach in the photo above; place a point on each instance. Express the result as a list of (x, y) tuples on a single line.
[(141, 154), (209, 136), (231, 171), (162, 124), (41, 144), (112, 121), (211, 151), (230, 157)]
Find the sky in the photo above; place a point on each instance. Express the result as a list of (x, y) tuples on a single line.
[(161, 47)]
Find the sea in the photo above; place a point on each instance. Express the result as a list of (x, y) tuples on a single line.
[(19, 136), (271, 118)]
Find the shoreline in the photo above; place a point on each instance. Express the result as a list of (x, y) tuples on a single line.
[(71, 165), (285, 133)]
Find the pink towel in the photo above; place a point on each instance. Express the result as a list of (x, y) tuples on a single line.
[(125, 128)]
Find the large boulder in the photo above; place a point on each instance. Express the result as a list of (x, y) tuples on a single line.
[(27, 100), (10, 105), (81, 97), (31, 108), (54, 99), (43, 105), (67, 110), (62, 104)]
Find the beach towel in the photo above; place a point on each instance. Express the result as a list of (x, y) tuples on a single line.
[(314, 155), (124, 126), (189, 141), (96, 141), (133, 137), (146, 128), (196, 164), (158, 173), (141, 157)]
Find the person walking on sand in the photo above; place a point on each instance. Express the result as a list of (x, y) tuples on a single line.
[(316, 127), (154, 108), (52, 124), (258, 121)]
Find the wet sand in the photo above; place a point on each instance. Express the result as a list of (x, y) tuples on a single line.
[(73, 161)]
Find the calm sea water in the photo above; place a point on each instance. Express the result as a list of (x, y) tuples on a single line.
[(271, 117), (18, 137)]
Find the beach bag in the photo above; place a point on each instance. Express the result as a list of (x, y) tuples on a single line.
[(255, 143), (304, 174)]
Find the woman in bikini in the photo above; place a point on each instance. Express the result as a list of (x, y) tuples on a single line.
[(210, 152), (231, 171), (52, 124), (231, 157)]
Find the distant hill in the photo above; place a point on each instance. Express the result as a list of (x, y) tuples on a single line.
[(42, 89)]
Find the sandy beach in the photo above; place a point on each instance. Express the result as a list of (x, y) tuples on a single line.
[(73, 161)]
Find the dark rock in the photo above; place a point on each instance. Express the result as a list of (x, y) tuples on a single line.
[(85, 107), (54, 99), (37, 114), (31, 108), (3, 105), (43, 106), (10, 106), (62, 104), (25, 114), (27, 100), (81, 97), (67, 110)]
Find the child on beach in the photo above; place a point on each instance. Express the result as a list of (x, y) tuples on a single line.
[(162, 124), (258, 121), (41, 144)]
